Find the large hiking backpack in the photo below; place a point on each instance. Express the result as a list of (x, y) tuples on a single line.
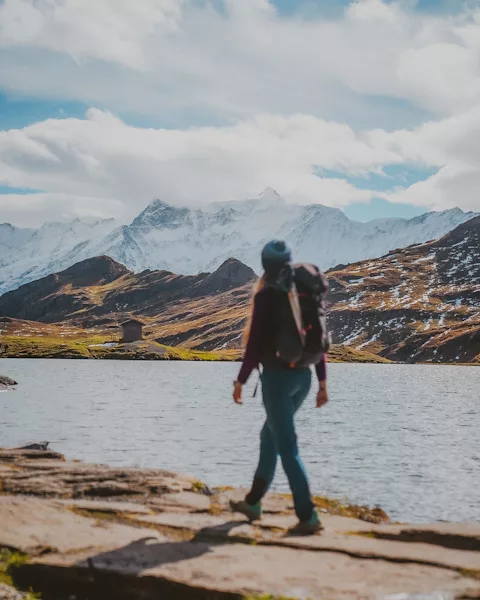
[(303, 337)]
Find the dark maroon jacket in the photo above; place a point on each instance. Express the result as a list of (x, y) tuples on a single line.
[(261, 342)]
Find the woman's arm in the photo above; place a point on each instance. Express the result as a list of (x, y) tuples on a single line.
[(253, 351), (321, 369)]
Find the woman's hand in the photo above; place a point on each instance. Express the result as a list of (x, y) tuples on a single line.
[(237, 392), (322, 396)]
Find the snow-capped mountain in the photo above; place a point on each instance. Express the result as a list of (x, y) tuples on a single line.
[(28, 254), (190, 241)]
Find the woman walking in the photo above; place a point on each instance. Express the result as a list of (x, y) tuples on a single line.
[(284, 387)]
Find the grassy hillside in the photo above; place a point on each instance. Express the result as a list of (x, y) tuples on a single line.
[(29, 339)]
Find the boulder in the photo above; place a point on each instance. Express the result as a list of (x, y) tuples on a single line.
[(6, 381), (34, 446)]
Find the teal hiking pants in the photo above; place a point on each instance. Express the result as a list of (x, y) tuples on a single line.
[(283, 393)]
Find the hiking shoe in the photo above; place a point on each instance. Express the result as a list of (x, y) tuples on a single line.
[(253, 512), (310, 527)]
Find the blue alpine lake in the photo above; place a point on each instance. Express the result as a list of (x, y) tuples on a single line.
[(405, 437)]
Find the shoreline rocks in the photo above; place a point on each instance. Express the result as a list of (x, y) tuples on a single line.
[(93, 531), (6, 383)]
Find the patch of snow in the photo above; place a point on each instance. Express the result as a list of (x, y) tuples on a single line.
[(428, 324), (354, 302), (424, 259), (353, 336), (371, 340)]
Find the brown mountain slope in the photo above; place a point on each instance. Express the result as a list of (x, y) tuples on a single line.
[(421, 303), (204, 312), (101, 287), (58, 296)]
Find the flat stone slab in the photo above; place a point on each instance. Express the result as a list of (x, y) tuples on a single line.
[(44, 473), (181, 501), (274, 532), (31, 525), (463, 536), (362, 547), (271, 523), (238, 570), (194, 523), (331, 523), (101, 532), (19, 455), (111, 507)]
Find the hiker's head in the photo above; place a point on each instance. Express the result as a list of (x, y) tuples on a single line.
[(275, 256)]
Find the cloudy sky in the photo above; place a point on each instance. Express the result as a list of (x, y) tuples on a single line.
[(371, 106)]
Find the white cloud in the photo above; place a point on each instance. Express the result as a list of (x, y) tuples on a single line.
[(110, 30), (172, 57), (102, 157), (375, 10), (452, 145), (292, 95), (32, 210), (443, 77), (453, 185), (102, 166)]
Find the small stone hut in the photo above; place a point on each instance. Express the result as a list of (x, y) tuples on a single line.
[(131, 330)]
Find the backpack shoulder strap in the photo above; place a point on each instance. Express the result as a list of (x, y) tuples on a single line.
[(297, 311)]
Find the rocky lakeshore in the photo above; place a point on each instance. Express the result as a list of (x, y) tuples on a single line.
[(74, 531)]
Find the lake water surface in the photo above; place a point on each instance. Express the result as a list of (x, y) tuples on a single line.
[(405, 437)]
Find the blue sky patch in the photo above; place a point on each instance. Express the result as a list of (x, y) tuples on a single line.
[(6, 189), (335, 8), (394, 176), (381, 209), (16, 113)]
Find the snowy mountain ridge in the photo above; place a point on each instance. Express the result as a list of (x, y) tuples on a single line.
[(189, 241)]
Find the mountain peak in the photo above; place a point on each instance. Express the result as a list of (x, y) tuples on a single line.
[(230, 274), (93, 271), (237, 270), (160, 213), (270, 195), (158, 204)]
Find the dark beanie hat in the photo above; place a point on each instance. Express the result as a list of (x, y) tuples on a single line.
[(275, 255)]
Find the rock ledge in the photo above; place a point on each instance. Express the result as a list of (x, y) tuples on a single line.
[(93, 532)]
